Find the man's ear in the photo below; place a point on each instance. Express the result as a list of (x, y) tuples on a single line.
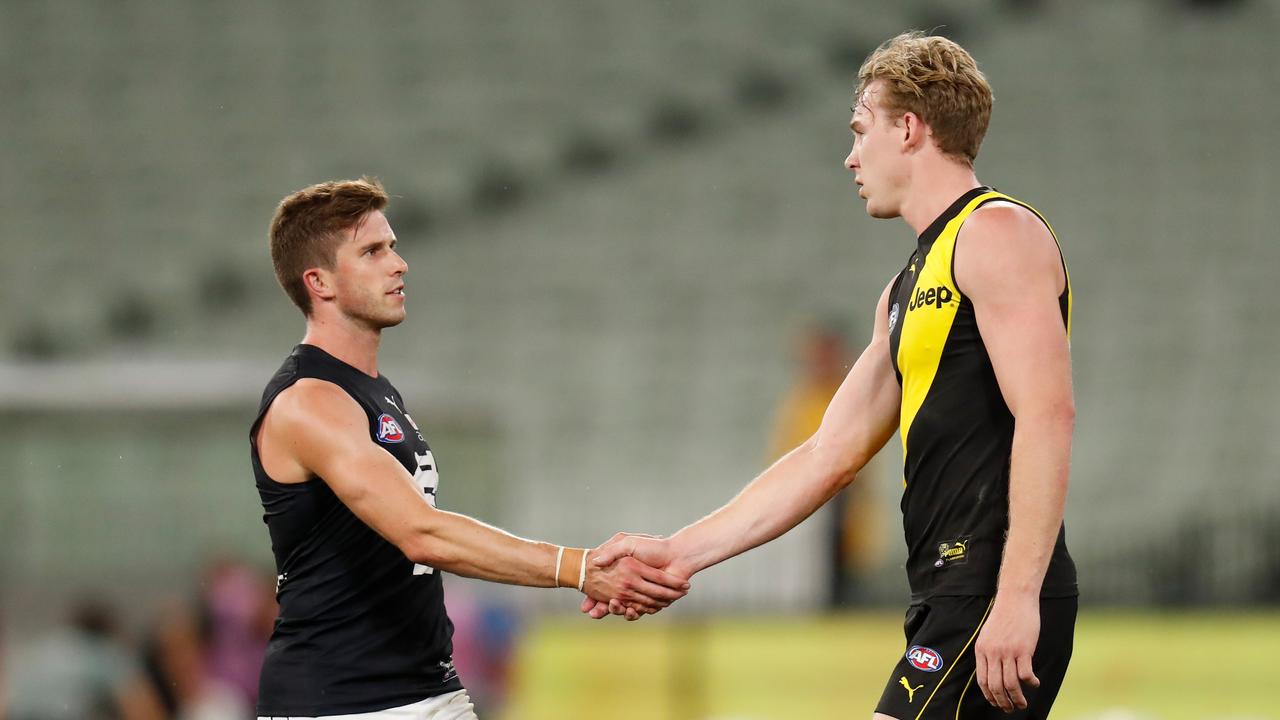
[(914, 132), (319, 283)]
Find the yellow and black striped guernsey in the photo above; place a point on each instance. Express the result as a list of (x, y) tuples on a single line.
[(957, 431)]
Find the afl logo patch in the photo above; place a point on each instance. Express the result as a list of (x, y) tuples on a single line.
[(923, 658), (389, 430), (893, 317)]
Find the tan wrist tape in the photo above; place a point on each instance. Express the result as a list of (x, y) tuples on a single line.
[(564, 570)]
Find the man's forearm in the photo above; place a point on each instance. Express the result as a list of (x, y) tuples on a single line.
[(1038, 475), (778, 499), (465, 546), (858, 422)]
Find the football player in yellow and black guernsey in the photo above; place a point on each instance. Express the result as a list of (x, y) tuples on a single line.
[(970, 361)]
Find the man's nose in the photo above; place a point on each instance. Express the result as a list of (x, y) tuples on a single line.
[(851, 161)]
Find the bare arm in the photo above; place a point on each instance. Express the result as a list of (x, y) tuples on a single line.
[(315, 428), (1009, 266), (860, 419)]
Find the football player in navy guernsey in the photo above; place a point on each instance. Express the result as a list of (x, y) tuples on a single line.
[(348, 486), (970, 362)]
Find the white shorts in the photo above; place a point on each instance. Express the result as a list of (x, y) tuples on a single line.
[(453, 706)]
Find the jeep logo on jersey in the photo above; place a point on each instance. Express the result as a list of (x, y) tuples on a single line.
[(935, 296), (923, 658), (389, 430)]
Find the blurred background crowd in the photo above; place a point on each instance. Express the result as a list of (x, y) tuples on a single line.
[(638, 271)]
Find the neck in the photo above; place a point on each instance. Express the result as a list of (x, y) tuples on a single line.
[(933, 189), (354, 345)]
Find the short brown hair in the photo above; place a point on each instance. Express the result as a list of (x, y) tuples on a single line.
[(308, 227), (937, 80)]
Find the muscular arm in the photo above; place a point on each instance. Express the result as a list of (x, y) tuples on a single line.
[(1009, 266), (860, 419), (315, 428)]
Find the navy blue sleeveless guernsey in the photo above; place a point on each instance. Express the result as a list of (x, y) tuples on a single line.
[(361, 627)]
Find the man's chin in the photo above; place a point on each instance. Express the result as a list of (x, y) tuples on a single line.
[(393, 321), (381, 322), (881, 213)]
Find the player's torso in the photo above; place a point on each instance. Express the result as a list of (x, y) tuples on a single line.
[(359, 625), (956, 429)]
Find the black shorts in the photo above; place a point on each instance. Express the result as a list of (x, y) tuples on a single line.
[(935, 677)]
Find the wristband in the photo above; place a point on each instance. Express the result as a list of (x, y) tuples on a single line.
[(559, 557), (582, 571)]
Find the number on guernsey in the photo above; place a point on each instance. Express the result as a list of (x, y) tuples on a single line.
[(427, 479)]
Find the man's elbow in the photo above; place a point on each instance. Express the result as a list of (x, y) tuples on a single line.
[(429, 551), (1059, 415), (1063, 414), (836, 466), (425, 546)]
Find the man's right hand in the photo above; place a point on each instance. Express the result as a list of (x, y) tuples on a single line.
[(632, 583), (650, 550)]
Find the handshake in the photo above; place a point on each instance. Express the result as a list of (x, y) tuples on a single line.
[(634, 575)]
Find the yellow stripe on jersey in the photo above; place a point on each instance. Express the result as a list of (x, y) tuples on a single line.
[(929, 314), (927, 319)]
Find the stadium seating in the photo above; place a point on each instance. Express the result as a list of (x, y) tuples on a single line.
[(616, 218)]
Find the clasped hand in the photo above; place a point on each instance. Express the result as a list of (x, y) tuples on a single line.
[(654, 577)]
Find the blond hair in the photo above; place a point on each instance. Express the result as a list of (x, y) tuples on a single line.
[(308, 227), (938, 81)]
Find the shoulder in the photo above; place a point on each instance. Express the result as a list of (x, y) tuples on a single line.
[(1006, 244), (313, 404), (880, 328), (308, 423), (1008, 229)]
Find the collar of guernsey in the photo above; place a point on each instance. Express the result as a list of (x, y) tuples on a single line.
[(922, 335)]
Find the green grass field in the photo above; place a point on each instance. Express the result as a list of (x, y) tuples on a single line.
[(1127, 666)]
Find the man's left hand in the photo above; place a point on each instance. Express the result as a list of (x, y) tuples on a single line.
[(1004, 650)]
